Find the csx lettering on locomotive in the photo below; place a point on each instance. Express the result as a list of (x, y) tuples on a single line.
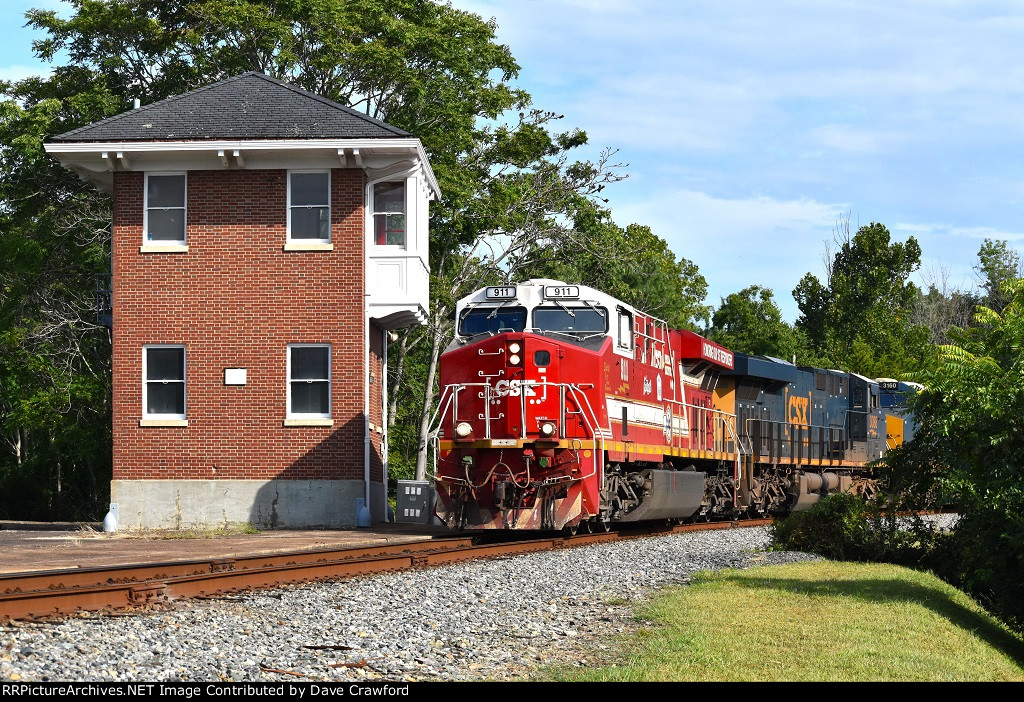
[(798, 408)]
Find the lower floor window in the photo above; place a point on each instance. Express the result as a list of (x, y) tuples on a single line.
[(309, 380), (163, 386)]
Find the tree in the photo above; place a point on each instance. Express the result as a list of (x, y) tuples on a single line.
[(997, 265), (968, 450), (426, 67), (632, 264), (54, 356), (510, 188), (749, 321), (943, 307), (521, 213), (860, 317)]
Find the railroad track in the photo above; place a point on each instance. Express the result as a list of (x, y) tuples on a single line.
[(57, 593)]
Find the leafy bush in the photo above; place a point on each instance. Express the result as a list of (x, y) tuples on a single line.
[(845, 527), (969, 449), (985, 557)]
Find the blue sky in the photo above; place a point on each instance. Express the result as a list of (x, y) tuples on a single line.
[(749, 127)]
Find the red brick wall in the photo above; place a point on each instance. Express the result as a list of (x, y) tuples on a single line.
[(236, 299)]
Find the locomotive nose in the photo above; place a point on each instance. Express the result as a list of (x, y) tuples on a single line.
[(510, 394)]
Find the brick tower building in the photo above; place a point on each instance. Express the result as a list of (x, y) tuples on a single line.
[(265, 241)]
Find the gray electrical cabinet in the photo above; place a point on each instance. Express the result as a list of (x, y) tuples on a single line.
[(415, 502)]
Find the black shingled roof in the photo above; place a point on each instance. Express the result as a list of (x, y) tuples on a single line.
[(249, 106)]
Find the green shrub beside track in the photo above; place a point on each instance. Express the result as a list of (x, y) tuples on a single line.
[(844, 527)]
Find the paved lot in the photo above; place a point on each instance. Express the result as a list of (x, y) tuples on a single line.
[(34, 547)]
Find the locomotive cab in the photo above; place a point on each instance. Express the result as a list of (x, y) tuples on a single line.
[(894, 398), (541, 307)]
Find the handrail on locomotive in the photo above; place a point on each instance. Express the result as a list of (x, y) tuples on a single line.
[(839, 437), (723, 424), (451, 392)]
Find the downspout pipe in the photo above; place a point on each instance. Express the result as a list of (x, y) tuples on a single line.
[(364, 518), (385, 448)]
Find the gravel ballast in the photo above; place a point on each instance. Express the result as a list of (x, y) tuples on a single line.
[(496, 619)]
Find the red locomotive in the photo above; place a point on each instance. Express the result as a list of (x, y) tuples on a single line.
[(562, 407)]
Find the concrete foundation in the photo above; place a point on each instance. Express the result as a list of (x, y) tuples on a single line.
[(266, 504)]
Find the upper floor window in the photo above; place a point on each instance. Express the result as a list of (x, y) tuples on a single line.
[(309, 206), (389, 213), (163, 382), (309, 380), (164, 218)]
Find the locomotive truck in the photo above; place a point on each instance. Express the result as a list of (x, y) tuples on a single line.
[(564, 408)]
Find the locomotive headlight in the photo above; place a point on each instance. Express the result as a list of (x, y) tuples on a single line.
[(514, 359), (463, 429), (514, 347), (547, 429)]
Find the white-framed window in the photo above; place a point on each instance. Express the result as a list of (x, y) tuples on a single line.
[(309, 381), (389, 220), (163, 381), (164, 208), (309, 206)]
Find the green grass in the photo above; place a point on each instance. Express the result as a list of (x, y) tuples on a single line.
[(230, 529), (822, 620)]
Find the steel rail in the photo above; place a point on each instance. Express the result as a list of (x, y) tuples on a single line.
[(141, 572), (57, 593)]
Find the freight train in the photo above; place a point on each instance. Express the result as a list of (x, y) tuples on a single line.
[(564, 408)]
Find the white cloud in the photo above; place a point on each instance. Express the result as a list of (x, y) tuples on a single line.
[(713, 71), (694, 210), (20, 72), (861, 140), (737, 242), (910, 110), (953, 231), (747, 124)]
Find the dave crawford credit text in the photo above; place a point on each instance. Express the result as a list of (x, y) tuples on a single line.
[(188, 691)]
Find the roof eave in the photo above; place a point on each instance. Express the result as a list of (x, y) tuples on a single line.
[(73, 153)]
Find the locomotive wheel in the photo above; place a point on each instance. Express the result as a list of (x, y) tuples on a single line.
[(571, 530)]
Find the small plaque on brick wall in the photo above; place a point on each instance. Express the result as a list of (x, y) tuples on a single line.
[(235, 376)]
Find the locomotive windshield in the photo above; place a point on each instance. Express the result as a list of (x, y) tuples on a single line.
[(492, 320), (572, 320)]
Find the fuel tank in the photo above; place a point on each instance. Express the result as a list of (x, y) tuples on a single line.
[(668, 494)]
